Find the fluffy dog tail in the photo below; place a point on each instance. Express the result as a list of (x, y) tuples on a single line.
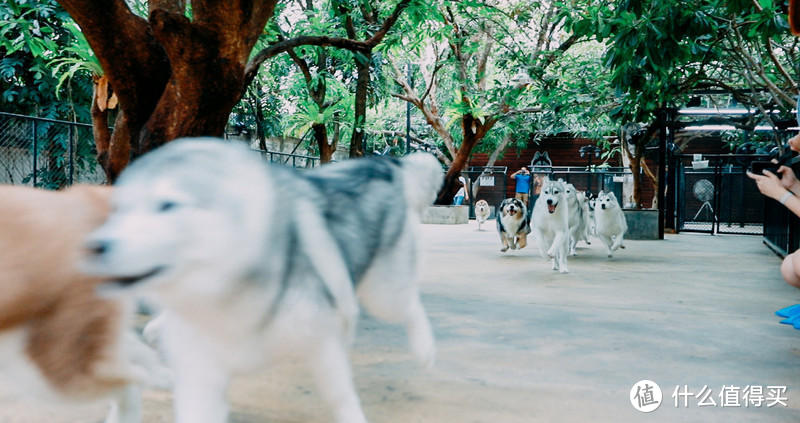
[(422, 179)]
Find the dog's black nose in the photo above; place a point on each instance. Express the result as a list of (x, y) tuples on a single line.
[(603, 206), (98, 248), (549, 201)]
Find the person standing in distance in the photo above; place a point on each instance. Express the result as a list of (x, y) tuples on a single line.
[(523, 179), (462, 193)]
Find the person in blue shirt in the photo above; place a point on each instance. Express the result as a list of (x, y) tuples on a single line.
[(523, 178)]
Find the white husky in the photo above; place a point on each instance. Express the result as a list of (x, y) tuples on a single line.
[(254, 261), (578, 210), (610, 221), (551, 223)]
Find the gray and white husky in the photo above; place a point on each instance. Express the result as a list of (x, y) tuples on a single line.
[(253, 261), (610, 221), (577, 218), (551, 223)]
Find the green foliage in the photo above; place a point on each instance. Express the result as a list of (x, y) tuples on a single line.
[(34, 36), (658, 52)]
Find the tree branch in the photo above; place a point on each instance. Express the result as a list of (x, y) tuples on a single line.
[(780, 66), (387, 24), (305, 40)]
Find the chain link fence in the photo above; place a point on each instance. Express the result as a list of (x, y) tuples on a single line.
[(47, 153)]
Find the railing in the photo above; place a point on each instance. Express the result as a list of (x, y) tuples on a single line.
[(715, 196), (781, 228), (294, 160), (46, 153), (50, 153)]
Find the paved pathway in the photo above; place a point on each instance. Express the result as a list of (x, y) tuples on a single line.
[(520, 343)]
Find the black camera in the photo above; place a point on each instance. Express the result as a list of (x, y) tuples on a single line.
[(758, 167)]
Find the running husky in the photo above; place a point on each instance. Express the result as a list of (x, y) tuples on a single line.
[(577, 218), (609, 221), (253, 261), (551, 223)]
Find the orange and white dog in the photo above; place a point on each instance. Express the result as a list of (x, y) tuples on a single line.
[(58, 338)]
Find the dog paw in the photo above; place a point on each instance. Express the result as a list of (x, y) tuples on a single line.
[(563, 270), (423, 347), (504, 249)]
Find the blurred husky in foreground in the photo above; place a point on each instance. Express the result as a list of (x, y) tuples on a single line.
[(58, 338), (252, 261)]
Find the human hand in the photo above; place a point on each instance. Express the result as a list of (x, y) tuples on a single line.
[(768, 184), (794, 142), (789, 179)]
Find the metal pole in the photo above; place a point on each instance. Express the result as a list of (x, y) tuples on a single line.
[(35, 153), (589, 174), (70, 151), (665, 116), (408, 111)]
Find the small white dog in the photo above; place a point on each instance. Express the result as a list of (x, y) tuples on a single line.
[(513, 224), (551, 223), (610, 221), (482, 212), (577, 218)]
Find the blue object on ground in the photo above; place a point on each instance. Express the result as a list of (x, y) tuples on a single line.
[(791, 314), (789, 311)]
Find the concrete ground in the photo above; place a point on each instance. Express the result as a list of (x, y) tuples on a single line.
[(520, 343)]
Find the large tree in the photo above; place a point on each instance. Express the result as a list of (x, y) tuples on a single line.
[(174, 75), (482, 64), (180, 71)]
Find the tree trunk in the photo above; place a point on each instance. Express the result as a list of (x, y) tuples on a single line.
[(102, 136), (255, 104), (473, 134), (637, 181), (208, 78), (173, 77), (362, 85), (321, 136)]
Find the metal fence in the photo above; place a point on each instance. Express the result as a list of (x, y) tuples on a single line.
[(592, 180), (52, 154), (486, 183), (46, 153), (294, 160), (781, 228), (714, 195)]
